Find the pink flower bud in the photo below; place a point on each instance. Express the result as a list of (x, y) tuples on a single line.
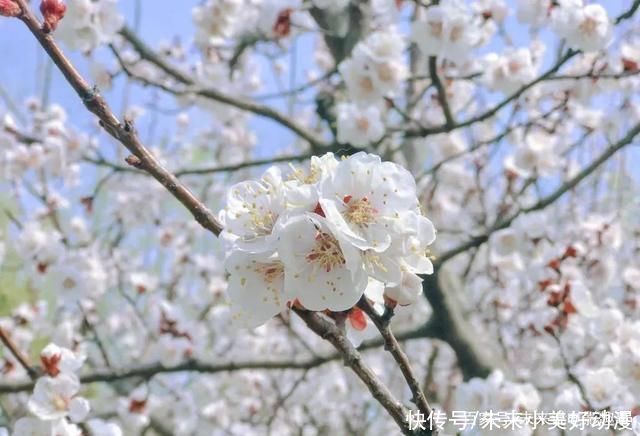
[(9, 8), (53, 11)]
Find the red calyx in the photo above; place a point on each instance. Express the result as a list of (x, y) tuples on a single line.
[(319, 211), (52, 11), (282, 27), (357, 319), (50, 364), (9, 8)]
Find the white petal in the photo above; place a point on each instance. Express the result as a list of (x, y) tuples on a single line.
[(79, 409)]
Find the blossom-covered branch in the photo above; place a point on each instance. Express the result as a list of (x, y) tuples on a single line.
[(123, 132)]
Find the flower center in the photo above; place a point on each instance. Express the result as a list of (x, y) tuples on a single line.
[(385, 72), (362, 123), (366, 84), (262, 222), (588, 26), (69, 283), (306, 178), (326, 252), (436, 28), (456, 33), (359, 212), (270, 271), (59, 402)]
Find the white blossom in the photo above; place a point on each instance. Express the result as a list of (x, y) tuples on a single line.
[(55, 398), (359, 126), (446, 30), (585, 27)]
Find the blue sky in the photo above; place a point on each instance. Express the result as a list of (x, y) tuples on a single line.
[(161, 20)]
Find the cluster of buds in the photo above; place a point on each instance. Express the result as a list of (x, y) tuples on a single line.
[(52, 12)]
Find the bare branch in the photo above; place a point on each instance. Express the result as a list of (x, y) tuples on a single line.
[(20, 357), (149, 55), (391, 344), (442, 93), (352, 358)]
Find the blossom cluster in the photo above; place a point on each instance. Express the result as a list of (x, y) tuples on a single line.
[(55, 404), (88, 24), (45, 143), (323, 237)]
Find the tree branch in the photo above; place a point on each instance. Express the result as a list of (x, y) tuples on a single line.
[(391, 344), (546, 201), (352, 358), (182, 77), (15, 351), (442, 93), (122, 132), (147, 371)]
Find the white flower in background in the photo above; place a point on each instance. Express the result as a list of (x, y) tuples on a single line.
[(359, 80), (42, 246), (143, 281), (217, 19), (79, 275), (56, 398), (376, 67), (495, 393), (359, 126), (582, 299), (133, 410), (504, 250), (510, 71), (585, 27), (630, 55), (496, 10), (88, 24), (534, 154), (383, 51), (446, 145), (56, 360), (446, 30), (606, 324), (533, 12), (602, 386), (36, 427), (629, 366), (171, 349), (631, 277), (98, 427)]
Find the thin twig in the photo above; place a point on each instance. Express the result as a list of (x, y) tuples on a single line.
[(546, 201), (442, 93), (352, 358), (151, 56), (393, 347), (124, 132), (20, 357)]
